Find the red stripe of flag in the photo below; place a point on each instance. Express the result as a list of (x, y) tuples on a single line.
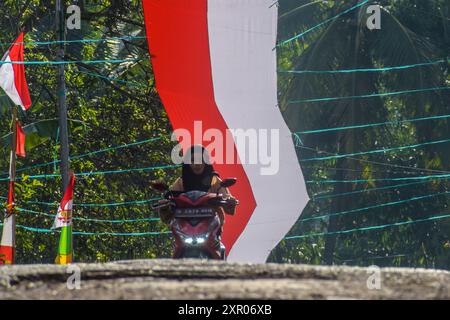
[(6, 255), (10, 201), (178, 36)]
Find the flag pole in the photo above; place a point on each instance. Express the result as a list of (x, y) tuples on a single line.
[(8, 242), (62, 105), (64, 221), (62, 109), (12, 166)]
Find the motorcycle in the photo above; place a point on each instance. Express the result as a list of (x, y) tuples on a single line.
[(196, 225)]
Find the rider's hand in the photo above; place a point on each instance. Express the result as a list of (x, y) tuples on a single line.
[(165, 211), (163, 201), (230, 207), (232, 200)]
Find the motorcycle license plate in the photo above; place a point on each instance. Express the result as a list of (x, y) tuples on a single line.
[(193, 212)]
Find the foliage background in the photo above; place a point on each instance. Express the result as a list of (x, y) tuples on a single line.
[(118, 104)]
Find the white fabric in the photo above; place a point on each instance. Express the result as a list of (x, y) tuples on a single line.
[(9, 222), (64, 218), (7, 81), (242, 35), (8, 231)]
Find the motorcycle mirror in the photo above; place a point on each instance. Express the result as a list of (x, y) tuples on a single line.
[(228, 182), (159, 186)]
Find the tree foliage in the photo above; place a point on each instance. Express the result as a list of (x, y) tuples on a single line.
[(411, 32), (118, 104)]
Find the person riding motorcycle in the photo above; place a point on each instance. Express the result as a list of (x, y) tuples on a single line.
[(197, 174)]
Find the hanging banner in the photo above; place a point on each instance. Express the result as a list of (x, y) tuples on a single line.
[(215, 70)]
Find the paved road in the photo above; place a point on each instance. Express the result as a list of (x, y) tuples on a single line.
[(194, 279)]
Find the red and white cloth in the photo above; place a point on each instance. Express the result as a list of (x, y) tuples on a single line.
[(14, 83), (12, 75), (7, 244), (20, 141), (63, 217), (214, 61)]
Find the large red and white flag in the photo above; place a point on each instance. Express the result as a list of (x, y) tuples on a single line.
[(12, 75), (214, 61)]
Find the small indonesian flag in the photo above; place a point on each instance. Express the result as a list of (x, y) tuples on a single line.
[(10, 203), (7, 244), (20, 140), (63, 220), (12, 75)]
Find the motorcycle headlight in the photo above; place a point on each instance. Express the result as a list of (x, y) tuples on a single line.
[(200, 240), (189, 240)]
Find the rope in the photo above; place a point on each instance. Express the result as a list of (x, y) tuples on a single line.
[(338, 156), (71, 61), (113, 204), (90, 154), (380, 163), (368, 95), (81, 233), (446, 216), (286, 238), (129, 83), (46, 43), (408, 66), (322, 23), (437, 176), (382, 205), (91, 219), (445, 116), (46, 176), (158, 138), (335, 195)]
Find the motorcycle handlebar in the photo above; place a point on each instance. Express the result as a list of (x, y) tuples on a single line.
[(171, 194), (161, 205), (218, 201)]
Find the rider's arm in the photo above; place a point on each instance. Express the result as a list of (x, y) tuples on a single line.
[(177, 185), (166, 213), (215, 183)]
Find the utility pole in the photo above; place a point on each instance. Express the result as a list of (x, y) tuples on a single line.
[(62, 105), (66, 237)]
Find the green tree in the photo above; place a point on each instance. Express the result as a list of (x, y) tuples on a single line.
[(118, 104), (411, 32)]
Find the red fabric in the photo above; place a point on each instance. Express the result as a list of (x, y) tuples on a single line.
[(68, 194), (177, 32), (8, 255), (16, 54), (20, 140), (10, 203)]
